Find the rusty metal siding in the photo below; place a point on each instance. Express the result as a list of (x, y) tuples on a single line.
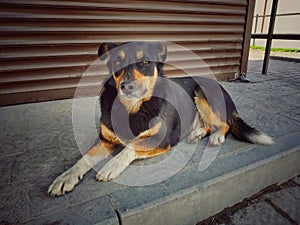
[(46, 46)]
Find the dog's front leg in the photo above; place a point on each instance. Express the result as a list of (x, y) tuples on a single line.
[(113, 168), (67, 180), (148, 144), (120, 162)]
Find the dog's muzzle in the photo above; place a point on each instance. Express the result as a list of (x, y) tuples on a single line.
[(128, 87), (132, 89)]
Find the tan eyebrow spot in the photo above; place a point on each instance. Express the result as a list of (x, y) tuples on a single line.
[(122, 54), (139, 55)]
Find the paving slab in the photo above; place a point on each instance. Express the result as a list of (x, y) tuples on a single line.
[(192, 194), (297, 180), (259, 209), (259, 213), (14, 207), (97, 211), (39, 141), (286, 106), (288, 200)]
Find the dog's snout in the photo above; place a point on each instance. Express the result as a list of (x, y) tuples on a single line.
[(127, 86)]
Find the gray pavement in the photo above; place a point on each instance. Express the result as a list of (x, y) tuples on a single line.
[(277, 204), (39, 141)]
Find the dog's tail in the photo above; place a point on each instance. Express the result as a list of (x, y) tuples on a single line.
[(241, 130)]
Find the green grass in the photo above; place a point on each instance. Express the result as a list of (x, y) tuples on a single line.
[(276, 49)]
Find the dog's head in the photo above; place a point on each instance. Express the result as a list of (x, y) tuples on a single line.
[(135, 67)]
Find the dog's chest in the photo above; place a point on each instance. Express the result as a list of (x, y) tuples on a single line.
[(142, 120)]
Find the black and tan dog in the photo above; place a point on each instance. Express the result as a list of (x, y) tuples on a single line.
[(144, 114)]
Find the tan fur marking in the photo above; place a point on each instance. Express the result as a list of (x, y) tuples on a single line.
[(148, 82), (146, 152), (132, 105), (99, 150), (139, 55), (137, 75), (210, 119), (118, 79), (122, 54), (106, 51), (109, 135), (150, 132)]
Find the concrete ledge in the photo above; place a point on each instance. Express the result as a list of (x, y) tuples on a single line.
[(220, 189), (297, 60)]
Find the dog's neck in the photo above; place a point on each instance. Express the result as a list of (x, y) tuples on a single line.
[(133, 105)]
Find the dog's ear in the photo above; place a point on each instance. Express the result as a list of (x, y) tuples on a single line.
[(162, 50), (104, 49)]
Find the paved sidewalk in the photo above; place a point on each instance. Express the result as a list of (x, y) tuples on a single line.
[(278, 203), (37, 143)]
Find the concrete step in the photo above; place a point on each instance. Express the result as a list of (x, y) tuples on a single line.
[(189, 184), (238, 171)]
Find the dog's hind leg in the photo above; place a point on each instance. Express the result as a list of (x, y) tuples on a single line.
[(198, 130), (212, 121)]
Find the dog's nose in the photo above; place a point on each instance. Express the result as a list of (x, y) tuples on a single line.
[(127, 87)]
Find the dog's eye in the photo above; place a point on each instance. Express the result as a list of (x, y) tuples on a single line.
[(144, 63), (117, 63)]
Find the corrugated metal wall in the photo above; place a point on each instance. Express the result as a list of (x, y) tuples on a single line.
[(45, 46)]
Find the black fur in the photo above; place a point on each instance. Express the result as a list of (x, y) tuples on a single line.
[(177, 127)]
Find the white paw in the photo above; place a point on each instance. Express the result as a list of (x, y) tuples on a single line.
[(65, 182), (196, 135), (216, 139), (116, 165), (111, 170)]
